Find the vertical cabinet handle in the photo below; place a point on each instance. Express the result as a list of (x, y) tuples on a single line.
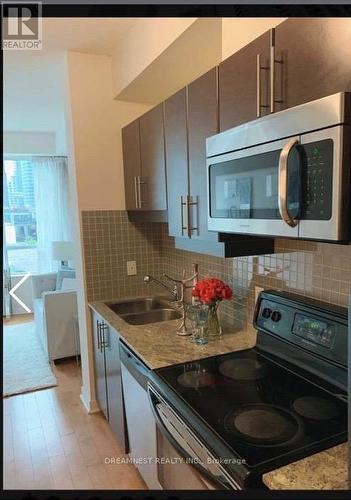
[(192, 201), (283, 183), (136, 192), (182, 205), (98, 334), (273, 62), (259, 68), (139, 183), (104, 329)]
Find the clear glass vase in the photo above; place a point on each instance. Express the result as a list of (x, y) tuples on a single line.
[(213, 326)]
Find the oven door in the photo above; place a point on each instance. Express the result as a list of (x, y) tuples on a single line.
[(185, 463)]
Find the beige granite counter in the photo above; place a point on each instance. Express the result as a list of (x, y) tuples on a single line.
[(326, 470), (158, 345)]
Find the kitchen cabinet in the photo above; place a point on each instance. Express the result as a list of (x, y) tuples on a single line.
[(315, 55), (176, 142), (240, 98), (108, 377), (144, 162), (311, 60), (191, 115), (131, 163), (202, 123)]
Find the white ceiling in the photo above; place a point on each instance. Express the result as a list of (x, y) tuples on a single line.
[(84, 34)]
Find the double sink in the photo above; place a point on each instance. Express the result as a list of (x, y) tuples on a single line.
[(144, 311)]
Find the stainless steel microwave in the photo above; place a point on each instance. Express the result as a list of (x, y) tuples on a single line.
[(285, 174)]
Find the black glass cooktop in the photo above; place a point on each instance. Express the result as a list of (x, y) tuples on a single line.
[(260, 409)]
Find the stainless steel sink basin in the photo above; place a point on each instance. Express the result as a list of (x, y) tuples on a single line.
[(155, 316), (136, 306)]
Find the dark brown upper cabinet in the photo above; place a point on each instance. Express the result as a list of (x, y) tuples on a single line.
[(153, 170), (191, 115), (202, 123), (175, 109), (131, 163), (243, 83), (144, 162), (315, 59)]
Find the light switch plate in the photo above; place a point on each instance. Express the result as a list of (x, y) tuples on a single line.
[(131, 268), (258, 290)]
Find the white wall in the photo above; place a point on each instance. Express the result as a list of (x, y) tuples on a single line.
[(144, 42), (97, 120), (33, 97), (94, 120)]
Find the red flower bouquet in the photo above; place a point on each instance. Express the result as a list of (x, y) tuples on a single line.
[(211, 290)]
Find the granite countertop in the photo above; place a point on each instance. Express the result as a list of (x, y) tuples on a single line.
[(158, 345), (326, 470)]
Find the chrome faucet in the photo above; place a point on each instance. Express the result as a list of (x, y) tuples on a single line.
[(173, 291)]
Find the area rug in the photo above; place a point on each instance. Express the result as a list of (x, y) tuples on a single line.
[(26, 367)]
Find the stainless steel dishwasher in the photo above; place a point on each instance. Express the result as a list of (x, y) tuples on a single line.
[(141, 425)]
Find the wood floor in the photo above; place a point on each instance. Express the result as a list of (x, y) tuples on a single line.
[(50, 442)]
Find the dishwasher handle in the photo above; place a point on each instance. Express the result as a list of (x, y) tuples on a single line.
[(177, 433), (134, 365)]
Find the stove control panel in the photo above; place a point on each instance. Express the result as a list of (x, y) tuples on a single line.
[(316, 327), (314, 330)]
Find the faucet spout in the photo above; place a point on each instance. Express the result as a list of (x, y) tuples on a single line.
[(173, 291)]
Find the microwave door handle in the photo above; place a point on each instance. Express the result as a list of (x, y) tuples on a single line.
[(283, 183)]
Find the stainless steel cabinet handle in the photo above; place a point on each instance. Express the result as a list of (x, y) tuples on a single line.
[(259, 68), (182, 205), (139, 183), (190, 204), (98, 331), (273, 62), (136, 192), (104, 328), (283, 183)]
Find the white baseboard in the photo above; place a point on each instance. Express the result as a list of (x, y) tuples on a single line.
[(90, 406)]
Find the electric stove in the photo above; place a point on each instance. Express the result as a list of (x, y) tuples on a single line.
[(258, 409)]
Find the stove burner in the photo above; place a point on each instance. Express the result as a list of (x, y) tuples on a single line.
[(316, 408), (195, 379), (242, 369), (264, 425)]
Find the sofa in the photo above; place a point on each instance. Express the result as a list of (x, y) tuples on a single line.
[(55, 313)]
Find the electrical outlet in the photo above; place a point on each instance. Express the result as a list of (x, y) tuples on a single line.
[(131, 268), (258, 290)]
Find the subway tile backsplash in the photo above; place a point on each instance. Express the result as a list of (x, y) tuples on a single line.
[(314, 269)]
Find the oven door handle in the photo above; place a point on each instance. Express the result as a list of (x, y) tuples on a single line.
[(185, 448), (283, 183)]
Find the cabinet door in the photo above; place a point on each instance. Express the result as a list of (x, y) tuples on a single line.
[(176, 161), (202, 123), (152, 189), (114, 386), (237, 82), (316, 58), (141, 428), (100, 372), (131, 163)]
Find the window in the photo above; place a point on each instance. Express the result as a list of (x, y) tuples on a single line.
[(19, 215)]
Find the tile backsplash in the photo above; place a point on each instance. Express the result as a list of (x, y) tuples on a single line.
[(314, 269)]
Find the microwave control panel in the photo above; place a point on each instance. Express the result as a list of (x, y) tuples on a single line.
[(317, 180)]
